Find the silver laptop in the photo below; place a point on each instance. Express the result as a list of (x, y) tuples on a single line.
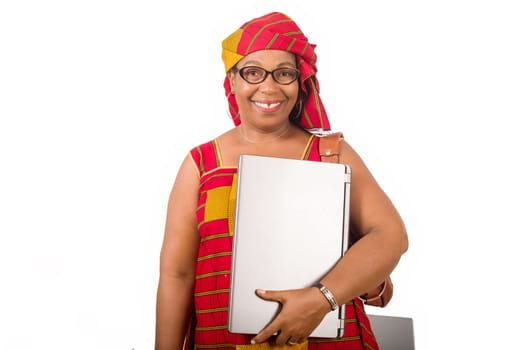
[(393, 332), (291, 228)]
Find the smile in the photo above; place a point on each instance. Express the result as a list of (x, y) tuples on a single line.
[(267, 105)]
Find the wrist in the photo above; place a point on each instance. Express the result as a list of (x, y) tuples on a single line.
[(375, 295), (330, 298)]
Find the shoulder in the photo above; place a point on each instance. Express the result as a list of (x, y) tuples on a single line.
[(349, 155), (197, 152), (206, 156)]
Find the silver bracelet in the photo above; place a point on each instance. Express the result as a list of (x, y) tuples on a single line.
[(329, 296)]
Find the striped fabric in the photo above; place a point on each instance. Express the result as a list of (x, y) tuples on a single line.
[(277, 31), (215, 216)]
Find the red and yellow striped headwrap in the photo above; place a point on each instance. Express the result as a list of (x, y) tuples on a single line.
[(277, 31)]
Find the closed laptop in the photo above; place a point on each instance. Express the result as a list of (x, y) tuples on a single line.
[(291, 227)]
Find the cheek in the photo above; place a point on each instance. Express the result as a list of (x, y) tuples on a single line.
[(293, 95), (243, 93), (243, 96)]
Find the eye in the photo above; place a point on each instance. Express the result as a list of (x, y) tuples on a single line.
[(253, 72), (286, 75)]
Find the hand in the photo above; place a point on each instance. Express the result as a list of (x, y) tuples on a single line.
[(302, 311)]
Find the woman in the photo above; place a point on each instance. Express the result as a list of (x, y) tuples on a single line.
[(273, 97)]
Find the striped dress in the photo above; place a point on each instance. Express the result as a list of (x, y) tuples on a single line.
[(215, 216)]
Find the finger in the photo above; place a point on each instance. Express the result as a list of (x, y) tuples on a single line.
[(270, 295), (265, 334), (292, 342), (296, 339), (282, 339)]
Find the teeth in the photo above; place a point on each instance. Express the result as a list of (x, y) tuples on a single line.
[(267, 105)]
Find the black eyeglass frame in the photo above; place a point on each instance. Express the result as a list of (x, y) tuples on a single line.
[(267, 72)]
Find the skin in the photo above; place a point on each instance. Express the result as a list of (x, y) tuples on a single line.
[(366, 264)]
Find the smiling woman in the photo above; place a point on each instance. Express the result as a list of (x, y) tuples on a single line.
[(274, 101)]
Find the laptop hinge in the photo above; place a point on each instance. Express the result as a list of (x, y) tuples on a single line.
[(340, 328)]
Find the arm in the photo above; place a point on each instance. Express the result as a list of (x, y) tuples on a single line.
[(177, 261), (366, 264), (375, 255)]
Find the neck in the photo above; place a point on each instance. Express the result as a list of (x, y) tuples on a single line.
[(263, 138)]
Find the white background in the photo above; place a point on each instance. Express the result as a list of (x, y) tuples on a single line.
[(101, 100)]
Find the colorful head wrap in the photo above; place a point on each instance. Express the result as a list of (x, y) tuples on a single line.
[(276, 31)]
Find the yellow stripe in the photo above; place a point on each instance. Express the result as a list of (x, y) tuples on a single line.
[(214, 328), (208, 311), (231, 209), (217, 273), (307, 149), (215, 346), (210, 237), (307, 118), (290, 46), (211, 256), (232, 168), (296, 32), (201, 165), (261, 30), (317, 102), (200, 225), (334, 340), (359, 306), (216, 149), (272, 41), (212, 177), (310, 85), (304, 49), (219, 175), (362, 325), (211, 292), (367, 346)]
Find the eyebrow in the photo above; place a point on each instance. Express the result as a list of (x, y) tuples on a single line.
[(282, 64)]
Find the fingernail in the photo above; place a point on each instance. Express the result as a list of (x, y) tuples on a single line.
[(261, 291), (253, 341)]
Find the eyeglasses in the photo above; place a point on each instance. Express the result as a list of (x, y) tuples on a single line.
[(256, 75)]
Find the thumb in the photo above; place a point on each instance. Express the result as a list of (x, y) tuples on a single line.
[(269, 294)]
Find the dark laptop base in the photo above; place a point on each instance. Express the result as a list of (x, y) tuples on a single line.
[(393, 332)]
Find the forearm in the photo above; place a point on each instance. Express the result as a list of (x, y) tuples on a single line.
[(174, 305), (366, 265)]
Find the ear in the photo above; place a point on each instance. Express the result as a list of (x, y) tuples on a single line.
[(231, 77)]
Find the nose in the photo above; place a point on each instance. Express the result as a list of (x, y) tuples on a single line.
[(269, 84)]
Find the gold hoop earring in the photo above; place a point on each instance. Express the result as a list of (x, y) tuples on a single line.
[(228, 113)]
